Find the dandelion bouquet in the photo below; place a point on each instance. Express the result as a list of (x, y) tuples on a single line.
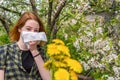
[(60, 64)]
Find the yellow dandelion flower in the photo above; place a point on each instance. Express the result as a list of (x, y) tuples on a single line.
[(74, 65), (64, 50), (58, 41), (59, 64), (52, 50), (59, 57), (73, 75), (61, 74), (48, 64)]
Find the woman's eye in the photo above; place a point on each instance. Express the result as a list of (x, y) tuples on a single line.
[(28, 29), (36, 30)]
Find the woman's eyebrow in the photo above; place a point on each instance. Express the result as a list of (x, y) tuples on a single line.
[(29, 26), (32, 27)]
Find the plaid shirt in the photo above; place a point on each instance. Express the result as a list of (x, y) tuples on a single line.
[(11, 62)]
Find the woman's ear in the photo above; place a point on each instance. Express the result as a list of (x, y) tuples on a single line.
[(19, 30)]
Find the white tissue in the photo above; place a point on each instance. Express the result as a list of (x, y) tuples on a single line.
[(33, 36)]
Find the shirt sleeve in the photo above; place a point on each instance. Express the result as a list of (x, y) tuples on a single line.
[(3, 51)]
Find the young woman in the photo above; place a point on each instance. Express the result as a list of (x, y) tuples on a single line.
[(17, 61)]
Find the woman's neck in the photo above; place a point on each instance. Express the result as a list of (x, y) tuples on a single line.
[(22, 45)]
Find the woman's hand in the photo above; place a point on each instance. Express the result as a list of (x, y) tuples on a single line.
[(33, 47)]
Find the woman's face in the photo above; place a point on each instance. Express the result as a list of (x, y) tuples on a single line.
[(30, 26)]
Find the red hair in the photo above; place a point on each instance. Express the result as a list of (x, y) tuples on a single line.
[(15, 35)]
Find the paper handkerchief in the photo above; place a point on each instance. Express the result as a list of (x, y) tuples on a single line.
[(33, 36)]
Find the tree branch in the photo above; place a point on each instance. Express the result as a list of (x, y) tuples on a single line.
[(33, 6), (9, 10), (59, 9), (85, 77), (50, 12), (5, 24)]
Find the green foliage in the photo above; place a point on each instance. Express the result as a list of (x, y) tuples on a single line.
[(99, 6), (4, 38), (118, 60)]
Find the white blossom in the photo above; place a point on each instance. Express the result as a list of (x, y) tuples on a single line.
[(89, 33), (99, 30), (111, 78), (116, 70), (97, 42), (66, 36), (85, 65), (74, 21), (111, 57), (76, 44), (119, 43), (106, 48)]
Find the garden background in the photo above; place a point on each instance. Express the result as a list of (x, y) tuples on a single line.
[(90, 28)]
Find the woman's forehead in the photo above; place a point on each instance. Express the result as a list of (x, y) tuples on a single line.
[(32, 23)]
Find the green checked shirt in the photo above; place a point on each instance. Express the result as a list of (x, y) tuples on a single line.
[(11, 62)]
